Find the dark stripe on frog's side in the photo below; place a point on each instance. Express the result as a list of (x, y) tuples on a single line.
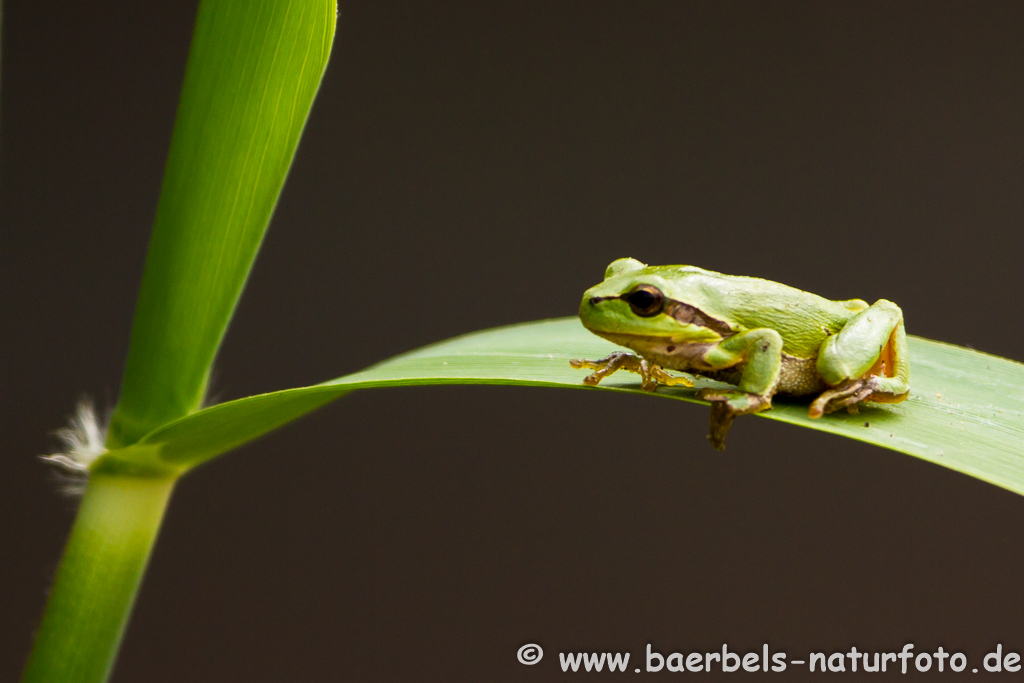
[(691, 315), (684, 313)]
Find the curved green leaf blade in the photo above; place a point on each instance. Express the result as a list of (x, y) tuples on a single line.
[(253, 70), (965, 411)]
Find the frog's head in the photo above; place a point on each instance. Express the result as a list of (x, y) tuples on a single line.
[(637, 304)]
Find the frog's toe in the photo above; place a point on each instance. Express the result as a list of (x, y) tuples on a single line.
[(605, 366), (586, 364), (738, 402), (654, 375), (599, 364), (721, 420), (846, 395), (726, 405)]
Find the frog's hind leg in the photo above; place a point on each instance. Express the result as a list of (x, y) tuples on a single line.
[(865, 361)]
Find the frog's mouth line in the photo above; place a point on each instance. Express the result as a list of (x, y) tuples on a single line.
[(684, 313), (623, 339)]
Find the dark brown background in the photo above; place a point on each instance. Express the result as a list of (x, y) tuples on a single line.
[(470, 165)]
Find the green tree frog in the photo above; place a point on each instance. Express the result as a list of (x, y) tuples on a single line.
[(761, 336)]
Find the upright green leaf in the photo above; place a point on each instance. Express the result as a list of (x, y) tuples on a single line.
[(253, 70), (965, 411)]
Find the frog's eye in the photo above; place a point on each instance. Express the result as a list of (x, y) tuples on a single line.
[(645, 300)]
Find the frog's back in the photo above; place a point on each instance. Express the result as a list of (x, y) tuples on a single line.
[(803, 319)]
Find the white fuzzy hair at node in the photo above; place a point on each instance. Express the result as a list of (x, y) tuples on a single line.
[(83, 440)]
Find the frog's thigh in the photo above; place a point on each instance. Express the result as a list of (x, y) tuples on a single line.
[(761, 349), (873, 342)]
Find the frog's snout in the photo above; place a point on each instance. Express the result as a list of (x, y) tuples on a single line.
[(588, 308)]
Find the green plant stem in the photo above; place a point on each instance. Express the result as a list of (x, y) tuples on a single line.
[(98, 578)]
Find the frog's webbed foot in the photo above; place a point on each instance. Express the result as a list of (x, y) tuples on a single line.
[(651, 375), (726, 405), (846, 395)]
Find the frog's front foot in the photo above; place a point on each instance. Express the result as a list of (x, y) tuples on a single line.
[(726, 405), (651, 375), (846, 395)]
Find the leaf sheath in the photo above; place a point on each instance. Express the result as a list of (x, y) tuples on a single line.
[(100, 573)]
